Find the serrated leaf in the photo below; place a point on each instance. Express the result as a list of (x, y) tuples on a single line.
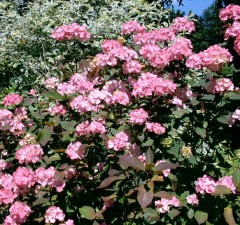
[(87, 212), (208, 97), (190, 213), (234, 97), (165, 166), (126, 161), (228, 216), (201, 217), (144, 198), (173, 213), (150, 215), (224, 119), (180, 112), (53, 95), (149, 156), (107, 181), (201, 132), (221, 190), (236, 177)]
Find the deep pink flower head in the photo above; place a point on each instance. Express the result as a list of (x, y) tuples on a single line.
[(24, 177), (183, 24), (237, 45), (45, 176), (230, 12), (132, 27), (53, 214), (71, 31), (19, 212), (12, 99), (118, 142)]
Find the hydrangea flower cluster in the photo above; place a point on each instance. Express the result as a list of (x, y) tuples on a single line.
[(95, 127), (71, 31), (118, 142), (12, 99), (220, 85), (212, 58), (76, 150), (165, 204), (207, 184), (234, 117), (183, 24), (54, 213), (132, 27)]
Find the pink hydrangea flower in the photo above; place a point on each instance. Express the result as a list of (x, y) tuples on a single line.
[(165, 172), (76, 150), (53, 214), (7, 196), (108, 45), (138, 116), (237, 45), (192, 199), (24, 177), (58, 109), (118, 142), (220, 85), (12, 99), (156, 128), (71, 31), (68, 222), (234, 116), (132, 67), (45, 176), (181, 24), (31, 153), (228, 182), (19, 212), (205, 184), (51, 82), (165, 204), (230, 12), (132, 27)]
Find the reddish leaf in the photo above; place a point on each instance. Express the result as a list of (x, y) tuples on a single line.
[(163, 194), (107, 181), (126, 161), (149, 156), (228, 215), (144, 198), (165, 166)]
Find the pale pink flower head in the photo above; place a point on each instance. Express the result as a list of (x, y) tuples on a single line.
[(138, 116), (192, 199), (12, 99), (194, 61), (233, 30), (205, 184), (234, 117), (19, 212), (237, 45), (53, 214), (58, 109), (45, 176), (132, 27), (118, 142), (156, 128), (71, 31), (68, 222), (31, 153), (132, 67), (66, 88), (24, 177), (183, 24), (32, 92), (228, 182), (76, 150), (165, 204), (108, 45), (51, 82), (220, 85)]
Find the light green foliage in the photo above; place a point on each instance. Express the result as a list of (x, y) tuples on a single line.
[(27, 52)]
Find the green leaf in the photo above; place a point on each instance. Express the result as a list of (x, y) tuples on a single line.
[(150, 215), (149, 156), (236, 177), (53, 95), (180, 112), (224, 119), (190, 213), (126, 161), (234, 97), (201, 132), (148, 143), (44, 136), (173, 213), (87, 212), (201, 217), (144, 198), (208, 97), (228, 216), (221, 190)]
